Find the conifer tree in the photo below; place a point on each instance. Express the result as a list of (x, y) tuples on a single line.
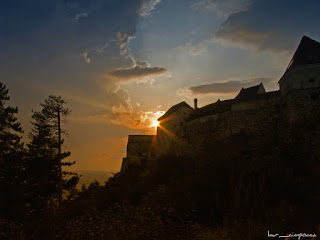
[(11, 148), (11, 160), (46, 151)]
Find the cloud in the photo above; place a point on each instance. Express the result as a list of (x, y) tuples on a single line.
[(147, 7), (231, 86), (243, 37), (185, 92), (121, 102), (266, 27), (135, 73), (86, 57), (223, 7), (122, 40), (114, 101), (142, 64), (146, 80), (195, 49), (80, 15), (139, 120)]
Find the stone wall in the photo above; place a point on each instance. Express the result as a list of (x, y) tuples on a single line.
[(201, 133), (171, 130), (269, 117), (260, 101), (300, 115), (300, 104), (139, 149), (300, 77)]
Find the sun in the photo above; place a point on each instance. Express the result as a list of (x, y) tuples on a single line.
[(155, 123)]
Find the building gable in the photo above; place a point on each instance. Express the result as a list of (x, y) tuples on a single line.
[(307, 56), (174, 109), (251, 92), (308, 52)]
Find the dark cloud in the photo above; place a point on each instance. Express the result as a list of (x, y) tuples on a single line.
[(136, 72), (232, 86), (271, 24)]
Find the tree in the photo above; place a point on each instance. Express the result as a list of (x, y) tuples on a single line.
[(45, 151), (11, 158), (10, 141)]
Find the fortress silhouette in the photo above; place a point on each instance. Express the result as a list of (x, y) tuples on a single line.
[(262, 115)]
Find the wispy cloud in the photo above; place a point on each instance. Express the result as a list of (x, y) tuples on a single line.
[(122, 102), (123, 39), (146, 80), (195, 49), (86, 57), (80, 15), (185, 92), (147, 7), (223, 7)]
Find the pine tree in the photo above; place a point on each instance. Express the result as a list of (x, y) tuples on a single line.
[(11, 148), (45, 151), (11, 159)]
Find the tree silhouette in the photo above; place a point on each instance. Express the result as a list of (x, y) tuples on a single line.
[(11, 158), (45, 151), (10, 141)]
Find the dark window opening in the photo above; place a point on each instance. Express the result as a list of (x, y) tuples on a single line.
[(311, 80)]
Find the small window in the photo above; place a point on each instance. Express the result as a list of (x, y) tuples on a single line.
[(311, 80)]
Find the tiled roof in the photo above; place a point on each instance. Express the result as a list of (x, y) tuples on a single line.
[(247, 93), (213, 108), (308, 52), (174, 108)]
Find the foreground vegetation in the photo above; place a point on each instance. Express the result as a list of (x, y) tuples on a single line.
[(178, 199)]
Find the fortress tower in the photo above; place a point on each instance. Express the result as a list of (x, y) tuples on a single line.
[(303, 71)]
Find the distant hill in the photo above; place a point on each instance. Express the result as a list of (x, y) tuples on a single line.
[(88, 177)]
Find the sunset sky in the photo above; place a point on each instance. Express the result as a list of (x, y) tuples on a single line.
[(121, 63)]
